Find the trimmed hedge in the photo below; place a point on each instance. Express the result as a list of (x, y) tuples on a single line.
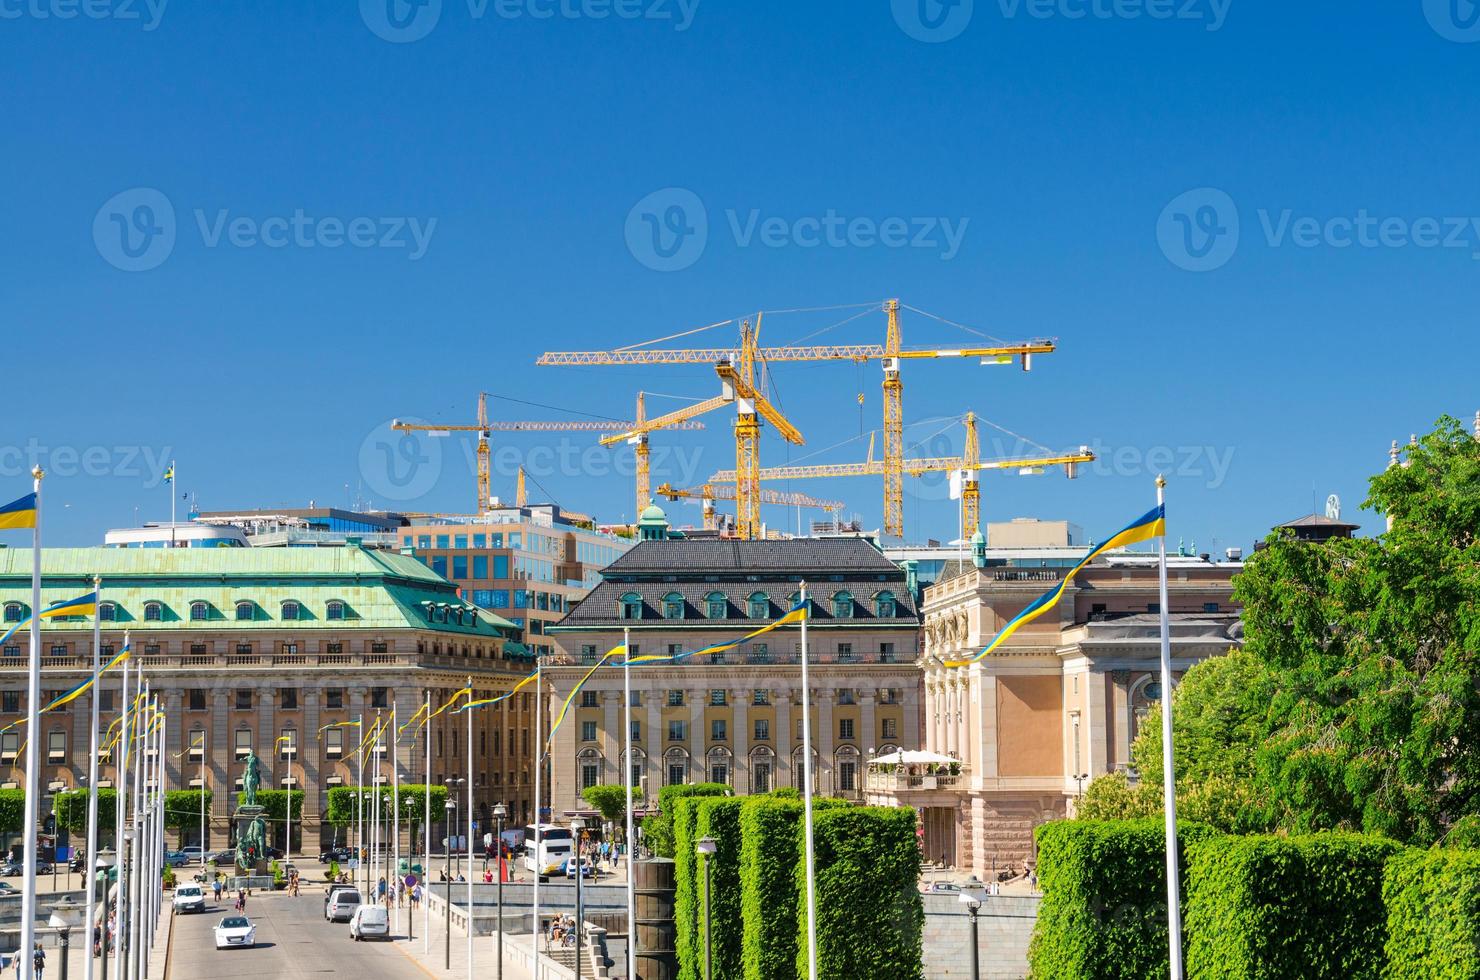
[(657, 830), (1267, 907), (870, 917), (182, 808), (275, 803), (1104, 899), (719, 818), (71, 810), (340, 811), (1433, 915)]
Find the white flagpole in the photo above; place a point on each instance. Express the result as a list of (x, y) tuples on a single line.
[(33, 752), (120, 799), (426, 835), (360, 853), (136, 855), (807, 798), (1169, 774), (539, 860), (396, 810), (470, 831), (627, 778), (174, 484), (90, 871)]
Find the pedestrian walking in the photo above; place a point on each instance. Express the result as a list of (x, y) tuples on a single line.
[(38, 961)]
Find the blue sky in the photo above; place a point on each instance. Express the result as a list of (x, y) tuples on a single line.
[(247, 235)]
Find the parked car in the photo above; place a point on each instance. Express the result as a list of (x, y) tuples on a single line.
[(235, 930), (369, 922), (336, 888), (12, 869), (194, 854), (189, 898), (224, 857), (588, 870), (6, 888), (176, 859), (944, 887), (342, 904), (45, 868), (340, 854)]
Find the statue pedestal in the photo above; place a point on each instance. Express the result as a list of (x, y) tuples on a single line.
[(250, 827)]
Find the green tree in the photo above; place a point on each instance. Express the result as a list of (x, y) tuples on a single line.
[(611, 803), (71, 809), (1356, 706), (182, 808)]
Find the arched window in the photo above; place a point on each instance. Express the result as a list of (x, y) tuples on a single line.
[(716, 606), (884, 605), (762, 769), (334, 610), (244, 610), (631, 606), (290, 609), (108, 612), (760, 605), (846, 770), (798, 771), (14, 612), (720, 764), (673, 606), (153, 612), (589, 765), (675, 767), (637, 766), (842, 605), (200, 610)]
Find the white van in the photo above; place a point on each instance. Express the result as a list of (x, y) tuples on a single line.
[(369, 922), (189, 898), (341, 905)]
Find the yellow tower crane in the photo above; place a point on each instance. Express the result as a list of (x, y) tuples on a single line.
[(968, 465), (484, 427), (637, 436), (711, 492), (890, 354)]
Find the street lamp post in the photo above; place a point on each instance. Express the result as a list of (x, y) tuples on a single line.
[(500, 812), (451, 807), (577, 827), (706, 846), (973, 893), (65, 916)]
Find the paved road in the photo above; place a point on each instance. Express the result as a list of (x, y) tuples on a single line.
[(293, 940)]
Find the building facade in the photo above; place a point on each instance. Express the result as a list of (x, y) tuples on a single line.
[(1056, 705), (246, 645), (735, 717), (529, 565)]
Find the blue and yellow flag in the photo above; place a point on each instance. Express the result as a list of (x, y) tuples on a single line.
[(169, 474), (1152, 524), (565, 708), (83, 605), (794, 615), (19, 513), (483, 702), (76, 692)]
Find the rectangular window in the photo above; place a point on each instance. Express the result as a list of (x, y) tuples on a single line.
[(845, 729), (480, 566), (12, 651), (717, 730), (717, 698), (500, 599), (760, 777), (676, 731), (588, 731), (891, 729), (589, 773), (588, 699), (10, 744), (459, 566), (762, 730), (439, 565), (243, 745), (334, 698), (197, 699), (443, 541), (847, 776), (288, 699), (886, 653), (287, 745), (107, 703), (460, 541), (636, 731), (379, 646), (56, 746), (675, 699), (588, 653), (379, 698), (197, 649), (719, 773), (334, 743), (1209, 607), (423, 540), (480, 541), (244, 700), (761, 696), (500, 566), (197, 744), (677, 773)]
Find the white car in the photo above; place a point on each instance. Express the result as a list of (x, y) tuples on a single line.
[(369, 922), (235, 930), (189, 898)]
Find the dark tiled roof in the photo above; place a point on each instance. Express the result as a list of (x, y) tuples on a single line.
[(600, 608), (796, 556), (1318, 520)]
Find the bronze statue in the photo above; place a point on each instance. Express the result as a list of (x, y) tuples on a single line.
[(251, 846)]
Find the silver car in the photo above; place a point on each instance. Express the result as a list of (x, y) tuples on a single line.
[(342, 904)]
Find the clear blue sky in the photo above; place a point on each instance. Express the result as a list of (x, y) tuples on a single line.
[(1057, 149)]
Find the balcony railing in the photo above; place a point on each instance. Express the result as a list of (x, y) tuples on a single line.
[(772, 658), (904, 779)]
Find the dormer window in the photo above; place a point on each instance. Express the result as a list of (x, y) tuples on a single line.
[(716, 606), (290, 609), (673, 606), (842, 603), (334, 610), (244, 610), (631, 606), (108, 612), (885, 606), (760, 605), (14, 612), (153, 612), (200, 611)]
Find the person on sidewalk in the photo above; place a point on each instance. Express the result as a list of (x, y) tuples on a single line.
[(38, 960)]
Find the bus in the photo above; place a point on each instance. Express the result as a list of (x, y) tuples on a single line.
[(554, 848)]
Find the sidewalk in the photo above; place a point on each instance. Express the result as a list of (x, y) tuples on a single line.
[(483, 963)]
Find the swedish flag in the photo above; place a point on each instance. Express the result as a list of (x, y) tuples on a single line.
[(83, 605), (1152, 524), (19, 513)]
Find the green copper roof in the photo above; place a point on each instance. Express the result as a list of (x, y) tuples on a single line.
[(378, 590)]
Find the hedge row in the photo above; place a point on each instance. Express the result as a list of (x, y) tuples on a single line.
[(1308, 907), (341, 808), (769, 852), (717, 817), (657, 830), (1256, 907), (1104, 911)]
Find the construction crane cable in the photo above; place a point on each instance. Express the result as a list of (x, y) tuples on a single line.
[(816, 333), (674, 336), (871, 305), (1015, 435), (953, 323), (557, 408)]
